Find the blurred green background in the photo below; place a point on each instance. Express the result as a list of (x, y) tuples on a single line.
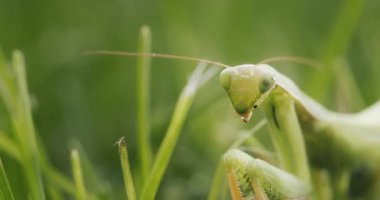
[(91, 100)]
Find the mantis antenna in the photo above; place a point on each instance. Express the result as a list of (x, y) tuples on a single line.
[(155, 55), (295, 59)]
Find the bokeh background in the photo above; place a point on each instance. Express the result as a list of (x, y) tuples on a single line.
[(91, 100)]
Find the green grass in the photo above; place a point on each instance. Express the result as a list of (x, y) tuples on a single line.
[(29, 152), (24, 147), (22, 144)]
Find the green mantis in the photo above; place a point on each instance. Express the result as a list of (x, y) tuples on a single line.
[(342, 144), (320, 154)]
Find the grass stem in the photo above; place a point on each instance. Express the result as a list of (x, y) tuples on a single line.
[(338, 41), (25, 131), (127, 175), (78, 176), (143, 121), (217, 182), (171, 137)]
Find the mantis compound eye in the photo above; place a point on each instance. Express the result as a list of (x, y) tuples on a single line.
[(225, 78), (266, 83)]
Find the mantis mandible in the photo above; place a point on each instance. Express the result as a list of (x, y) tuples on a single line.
[(313, 146)]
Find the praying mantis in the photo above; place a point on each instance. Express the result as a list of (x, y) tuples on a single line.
[(319, 154), (303, 133)]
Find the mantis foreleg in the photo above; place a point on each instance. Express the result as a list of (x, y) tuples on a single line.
[(254, 177), (286, 134)]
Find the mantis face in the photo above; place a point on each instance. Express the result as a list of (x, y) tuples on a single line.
[(247, 86)]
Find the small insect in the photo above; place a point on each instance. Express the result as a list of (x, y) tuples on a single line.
[(313, 146)]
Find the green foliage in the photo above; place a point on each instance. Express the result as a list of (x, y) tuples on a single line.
[(22, 144), (198, 78)]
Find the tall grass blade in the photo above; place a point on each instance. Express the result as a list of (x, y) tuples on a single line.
[(25, 131), (58, 180), (8, 147), (143, 121), (7, 86), (127, 175), (217, 182), (24, 146), (170, 140), (338, 41), (78, 176), (94, 184)]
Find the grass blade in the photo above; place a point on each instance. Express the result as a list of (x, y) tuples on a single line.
[(78, 177), (5, 189), (7, 86), (59, 180), (94, 183), (170, 140), (127, 175), (8, 147), (25, 131), (342, 31), (217, 182), (143, 121)]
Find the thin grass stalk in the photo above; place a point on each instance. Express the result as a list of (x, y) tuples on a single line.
[(93, 181), (78, 176), (59, 180), (143, 120), (25, 131), (54, 177), (5, 189), (8, 147), (171, 137), (348, 94), (127, 175), (217, 182), (14, 93), (7, 85), (338, 41), (13, 86)]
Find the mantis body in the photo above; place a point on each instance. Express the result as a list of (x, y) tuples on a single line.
[(308, 139)]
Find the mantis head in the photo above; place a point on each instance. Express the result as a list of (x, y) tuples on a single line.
[(247, 86)]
